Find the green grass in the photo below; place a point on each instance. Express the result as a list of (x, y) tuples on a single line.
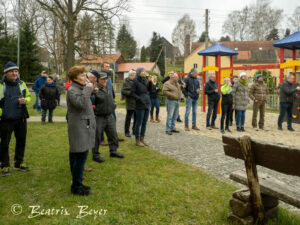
[(58, 111), (144, 188)]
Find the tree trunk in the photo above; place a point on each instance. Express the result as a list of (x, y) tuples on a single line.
[(70, 37)]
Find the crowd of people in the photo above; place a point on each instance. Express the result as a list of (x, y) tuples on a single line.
[(91, 109)]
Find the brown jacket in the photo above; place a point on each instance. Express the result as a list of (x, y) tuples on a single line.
[(259, 92), (172, 91)]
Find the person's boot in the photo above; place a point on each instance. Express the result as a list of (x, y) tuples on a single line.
[(151, 119), (195, 128), (157, 119), (98, 159), (138, 142), (186, 128), (142, 140), (116, 155)]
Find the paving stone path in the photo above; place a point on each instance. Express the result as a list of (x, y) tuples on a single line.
[(200, 151)]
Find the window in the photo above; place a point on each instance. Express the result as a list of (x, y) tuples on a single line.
[(195, 66)]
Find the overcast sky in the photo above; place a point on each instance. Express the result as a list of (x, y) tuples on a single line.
[(161, 16)]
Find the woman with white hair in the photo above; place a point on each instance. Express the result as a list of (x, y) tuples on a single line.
[(240, 94), (226, 104)]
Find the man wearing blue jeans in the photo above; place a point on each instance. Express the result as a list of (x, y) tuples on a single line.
[(191, 93), (172, 92), (287, 92)]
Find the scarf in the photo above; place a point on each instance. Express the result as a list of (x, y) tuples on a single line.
[(243, 82)]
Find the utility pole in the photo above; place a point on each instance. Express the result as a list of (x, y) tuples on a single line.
[(206, 33), (19, 27)]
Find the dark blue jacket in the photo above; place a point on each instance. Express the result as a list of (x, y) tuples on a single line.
[(210, 88), (38, 83), (11, 110), (140, 91), (192, 85)]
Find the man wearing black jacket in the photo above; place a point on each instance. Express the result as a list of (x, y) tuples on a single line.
[(212, 92), (104, 108), (287, 92)]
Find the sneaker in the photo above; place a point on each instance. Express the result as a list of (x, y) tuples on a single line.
[(116, 155), (81, 191), (222, 131), (195, 128), (169, 132), (186, 128), (98, 159), (291, 129), (179, 120), (228, 130), (243, 129), (174, 131), (127, 135), (86, 187), (5, 171), (279, 128), (50, 121), (22, 167), (214, 127), (238, 129), (208, 128)]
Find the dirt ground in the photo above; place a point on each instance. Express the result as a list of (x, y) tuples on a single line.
[(270, 133)]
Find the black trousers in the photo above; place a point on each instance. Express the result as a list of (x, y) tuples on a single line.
[(226, 113), (211, 113), (106, 124), (19, 127), (128, 120), (77, 162)]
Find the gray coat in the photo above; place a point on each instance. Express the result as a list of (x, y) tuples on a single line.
[(81, 118), (240, 95)]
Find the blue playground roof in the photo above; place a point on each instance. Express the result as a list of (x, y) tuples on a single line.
[(289, 42), (217, 49)]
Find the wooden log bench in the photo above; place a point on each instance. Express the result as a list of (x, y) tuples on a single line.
[(264, 190)]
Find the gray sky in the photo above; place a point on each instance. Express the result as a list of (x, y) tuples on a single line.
[(161, 16)]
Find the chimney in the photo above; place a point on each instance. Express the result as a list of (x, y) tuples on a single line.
[(187, 45)]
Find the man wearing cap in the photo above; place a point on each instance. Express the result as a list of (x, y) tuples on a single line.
[(259, 94), (38, 83), (213, 96), (191, 93), (104, 108), (14, 96)]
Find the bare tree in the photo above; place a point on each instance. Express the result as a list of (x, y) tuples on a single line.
[(231, 25), (295, 20), (185, 26), (68, 11), (253, 22)]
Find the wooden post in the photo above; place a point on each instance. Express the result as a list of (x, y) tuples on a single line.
[(281, 61), (258, 208), (203, 84), (231, 65)]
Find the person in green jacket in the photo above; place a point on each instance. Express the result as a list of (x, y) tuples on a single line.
[(14, 96), (226, 104)]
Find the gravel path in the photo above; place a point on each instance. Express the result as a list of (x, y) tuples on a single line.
[(200, 151)]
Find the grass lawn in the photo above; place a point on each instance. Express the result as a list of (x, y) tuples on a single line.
[(58, 111), (144, 188)]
